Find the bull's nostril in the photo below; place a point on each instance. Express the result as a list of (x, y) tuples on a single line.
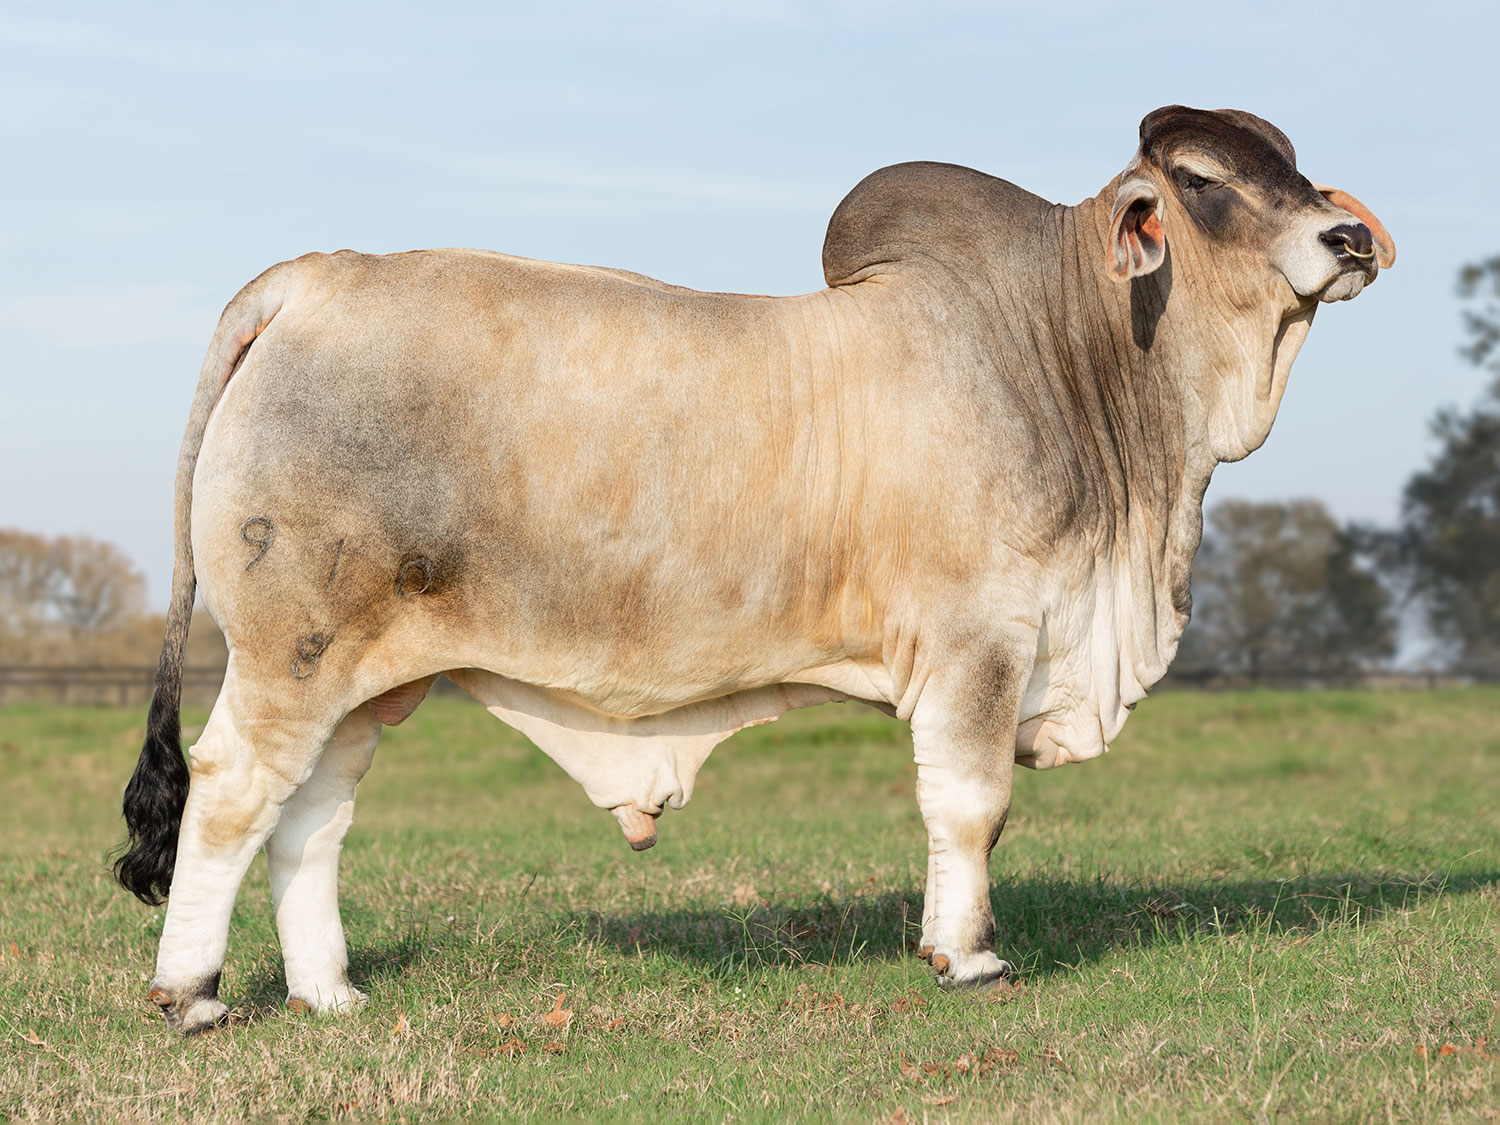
[(1353, 239)]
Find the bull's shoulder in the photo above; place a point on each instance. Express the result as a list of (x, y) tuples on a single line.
[(924, 210)]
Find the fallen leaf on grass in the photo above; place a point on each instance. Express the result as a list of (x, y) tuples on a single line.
[(910, 1002), (15, 951), (965, 1064), (939, 1099), (502, 1019), (634, 936), (1052, 1056), (970, 1063), (553, 1047), (1478, 1049), (34, 1039), (999, 1056), (615, 1024), (510, 1049), (559, 1016), (401, 1028), (899, 1117), (1006, 988)]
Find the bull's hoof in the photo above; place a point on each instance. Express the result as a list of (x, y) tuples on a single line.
[(966, 970), (336, 1001), (190, 1010)]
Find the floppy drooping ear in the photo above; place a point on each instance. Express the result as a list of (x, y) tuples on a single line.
[(1136, 242), (1385, 245)]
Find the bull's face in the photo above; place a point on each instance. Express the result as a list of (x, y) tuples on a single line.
[(1225, 183)]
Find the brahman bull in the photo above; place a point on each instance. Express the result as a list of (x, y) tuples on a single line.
[(962, 484)]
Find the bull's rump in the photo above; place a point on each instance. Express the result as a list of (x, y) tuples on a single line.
[(559, 474)]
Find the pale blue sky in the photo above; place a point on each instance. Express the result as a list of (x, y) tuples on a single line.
[(156, 157)]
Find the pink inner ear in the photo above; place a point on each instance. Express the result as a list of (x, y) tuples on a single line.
[(1385, 245), (1137, 236)]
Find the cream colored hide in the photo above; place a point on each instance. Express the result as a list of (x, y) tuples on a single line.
[(961, 484)]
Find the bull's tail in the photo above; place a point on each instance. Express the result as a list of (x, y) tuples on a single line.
[(158, 789)]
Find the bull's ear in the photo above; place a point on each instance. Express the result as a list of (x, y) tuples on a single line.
[(1385, 245), (1136, 242)]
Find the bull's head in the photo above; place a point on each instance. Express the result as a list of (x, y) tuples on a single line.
[(1226, 182)]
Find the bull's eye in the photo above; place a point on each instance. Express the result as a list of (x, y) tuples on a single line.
[(1196, 182)]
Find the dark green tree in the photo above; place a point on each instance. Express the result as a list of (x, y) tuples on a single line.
[(1280, 590), (1448, 542)]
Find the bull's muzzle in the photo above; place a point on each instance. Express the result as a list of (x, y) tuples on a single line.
[(1349, 240)]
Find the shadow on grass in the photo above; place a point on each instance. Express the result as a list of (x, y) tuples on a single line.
[(1043, 926), (264, 989)]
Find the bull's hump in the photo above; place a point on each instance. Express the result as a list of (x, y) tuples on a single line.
[(905, 213)]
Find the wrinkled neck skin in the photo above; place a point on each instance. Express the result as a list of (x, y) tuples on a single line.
[(1224, 354), (1152, 383), (1197, 381)]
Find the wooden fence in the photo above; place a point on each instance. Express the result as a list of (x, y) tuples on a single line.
[(123, 685)]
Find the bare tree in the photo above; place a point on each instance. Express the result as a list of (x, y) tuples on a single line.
[(55, 592), (23, 580)]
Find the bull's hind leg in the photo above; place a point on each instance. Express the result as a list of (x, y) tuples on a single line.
[(302, 856), (243, 770), (963, 732)]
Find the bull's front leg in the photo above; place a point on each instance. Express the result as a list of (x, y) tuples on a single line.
[(963, 733)]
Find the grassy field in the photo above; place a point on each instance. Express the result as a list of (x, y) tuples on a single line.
[(1260, 906)]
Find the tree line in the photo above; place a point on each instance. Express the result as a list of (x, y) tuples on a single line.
[(77, 601), (1280, 590)]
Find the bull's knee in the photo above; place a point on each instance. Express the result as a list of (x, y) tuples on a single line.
[(232, 796)]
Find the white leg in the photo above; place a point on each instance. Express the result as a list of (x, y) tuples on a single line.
[(963, 732), (302, 856), (964, 817), (234, 798)]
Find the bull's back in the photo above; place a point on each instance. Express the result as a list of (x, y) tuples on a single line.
[(563, 474)]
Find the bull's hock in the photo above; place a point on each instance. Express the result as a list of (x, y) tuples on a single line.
[(961, 484)]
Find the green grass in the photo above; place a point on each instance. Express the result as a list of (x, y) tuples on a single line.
[(1260, 906)]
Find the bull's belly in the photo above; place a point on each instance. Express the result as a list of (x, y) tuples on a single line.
[(632, 766)]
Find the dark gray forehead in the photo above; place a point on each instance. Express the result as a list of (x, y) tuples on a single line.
[(1248, 145)]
